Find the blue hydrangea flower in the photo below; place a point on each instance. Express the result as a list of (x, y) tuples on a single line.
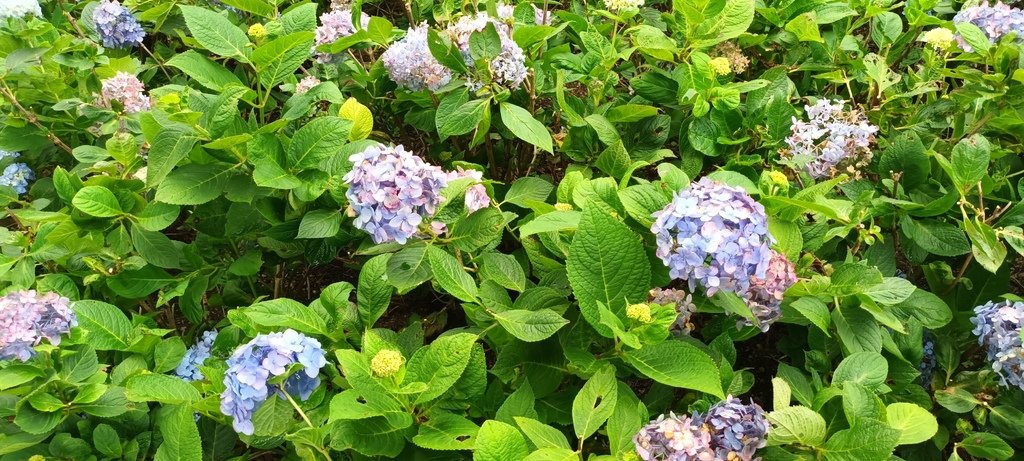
[(194, 357), (19, 9), (995, 21), (116, 25), (738, 430), (927, 366), (391, 192), (832, 141), (998, 328), (26, 317), (267, 356), (17, 176), (714, 235), (674, 438), (410, 64), (8, 155)]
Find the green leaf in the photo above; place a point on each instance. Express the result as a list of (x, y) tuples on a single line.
[(551, 222), (497, 441), (677, 364), (988, 446), (284, 312), (374, 293), (319, 224), (485, 44), (541, 435), (935, 237), (797, 424), (464, 119), (892, 290), (522, 124), (155, 248), (504, 270), (203, 70), (524, 190), (216, 33), (915, 424), (360, 116), (853, 278), (449, 273), (193, 184), (106, 327), (181, 440), (409, 267), (160, 388), (446, 431), (280, 57), (79, 366), (317, 140), (906, 155), (106, 440), (731, 22), (974, 36), (607, 263), (969, 162), (440, 364), (814, 310), (477, 230), (985, 245), (369, 437), (595, 402), (868, 441), (97, 201), (168, 354), (868, 369), (629, 416), (531, 326)]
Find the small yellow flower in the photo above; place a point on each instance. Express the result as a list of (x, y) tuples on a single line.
[(939, 38), (639, 312), (257, 31), (779, 179), (720, 66), (386, 363), (563, 207)]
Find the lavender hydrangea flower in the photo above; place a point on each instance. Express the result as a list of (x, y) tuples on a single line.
[(19, 9), (333, 26), (476, 195), (765, 293), (194, 357), (257, 361), (509, 67), (17, 176), (410, 64), (998, 328), (116, 25), (833, 139), (683, 302), (674, 438), (306, 84), (391, 192), (128, 90), (541, 17), (26, 317), (714, 235), (738, 430), (995, 21)]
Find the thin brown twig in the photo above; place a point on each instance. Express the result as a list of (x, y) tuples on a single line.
[(32, 118)]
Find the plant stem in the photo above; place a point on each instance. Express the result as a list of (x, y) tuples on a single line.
[(32, 118), (295, 405)]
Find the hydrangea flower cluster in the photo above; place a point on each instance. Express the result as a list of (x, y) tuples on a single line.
[(194, 357), (257, 361), (684, 307), (128, 90), (333, 26), (738, 61), (998, 328), (509, 67), (116, 25), (19, 8), (8, 154), (410, 64), (476, 195), (729, 431), (833, 139), (26, 317), (940, 38), (391, 191), (996, 21), (17, 176), (715, 235), (306, 84), (541, 17), (927, 366), (765, 293), (617, 5)]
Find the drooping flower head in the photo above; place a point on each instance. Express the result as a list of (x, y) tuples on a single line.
[(334, 25), (26, 317), (476, 195), (391, 191), (17, 176), (116, 25), (995, 21), (765, 294), (998, 328), (410, 64), (265, 357), (188, 368), (683, 302), (737, 430), (832, 140), (19, 9), (306, 83), (713, 235), (509, 67), (128, 90), (674, 438)]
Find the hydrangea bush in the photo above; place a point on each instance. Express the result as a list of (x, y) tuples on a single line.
[(530, 230)]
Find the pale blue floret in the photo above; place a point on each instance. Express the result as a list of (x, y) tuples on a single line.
[(194, 357), (17, 176), (998, 328)]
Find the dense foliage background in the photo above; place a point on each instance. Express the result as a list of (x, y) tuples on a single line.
[(276, 229)]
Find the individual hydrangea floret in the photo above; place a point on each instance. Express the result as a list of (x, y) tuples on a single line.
[(411, 65), (116, 26), (476, 195), (738, 430), (998, 328), (17, 176), (738, 62), (674, 438), (995, 21), (832, 140), (265, 357), (765, 293), (391, 192), (306, 84), (713, 235), (509, 67), (333, 26), (19, 9), (128, 90), (27, 317), (386, 363), (188, 368), (618, 5), (940, 38), (683, 302)]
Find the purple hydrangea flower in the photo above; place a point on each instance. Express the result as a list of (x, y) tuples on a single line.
[(674, 438), (27, 317), (265, 357), (995, 21), (194, 357), (998, 328), (714, 235), (410, 64), (391, 191), (116, 25), (738, 430), (17, 176), (509, 67), (333, 26), (765, 293), (127, 90), (683, 302), (476, 195), (832, 140), (306, 84), (19, 9)]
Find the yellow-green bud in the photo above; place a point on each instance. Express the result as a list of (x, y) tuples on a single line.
[(639, 312), (563, 207), (386, 363), (720, 66), (939, 38), (779, 179), (37, 458), (257, 31)]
